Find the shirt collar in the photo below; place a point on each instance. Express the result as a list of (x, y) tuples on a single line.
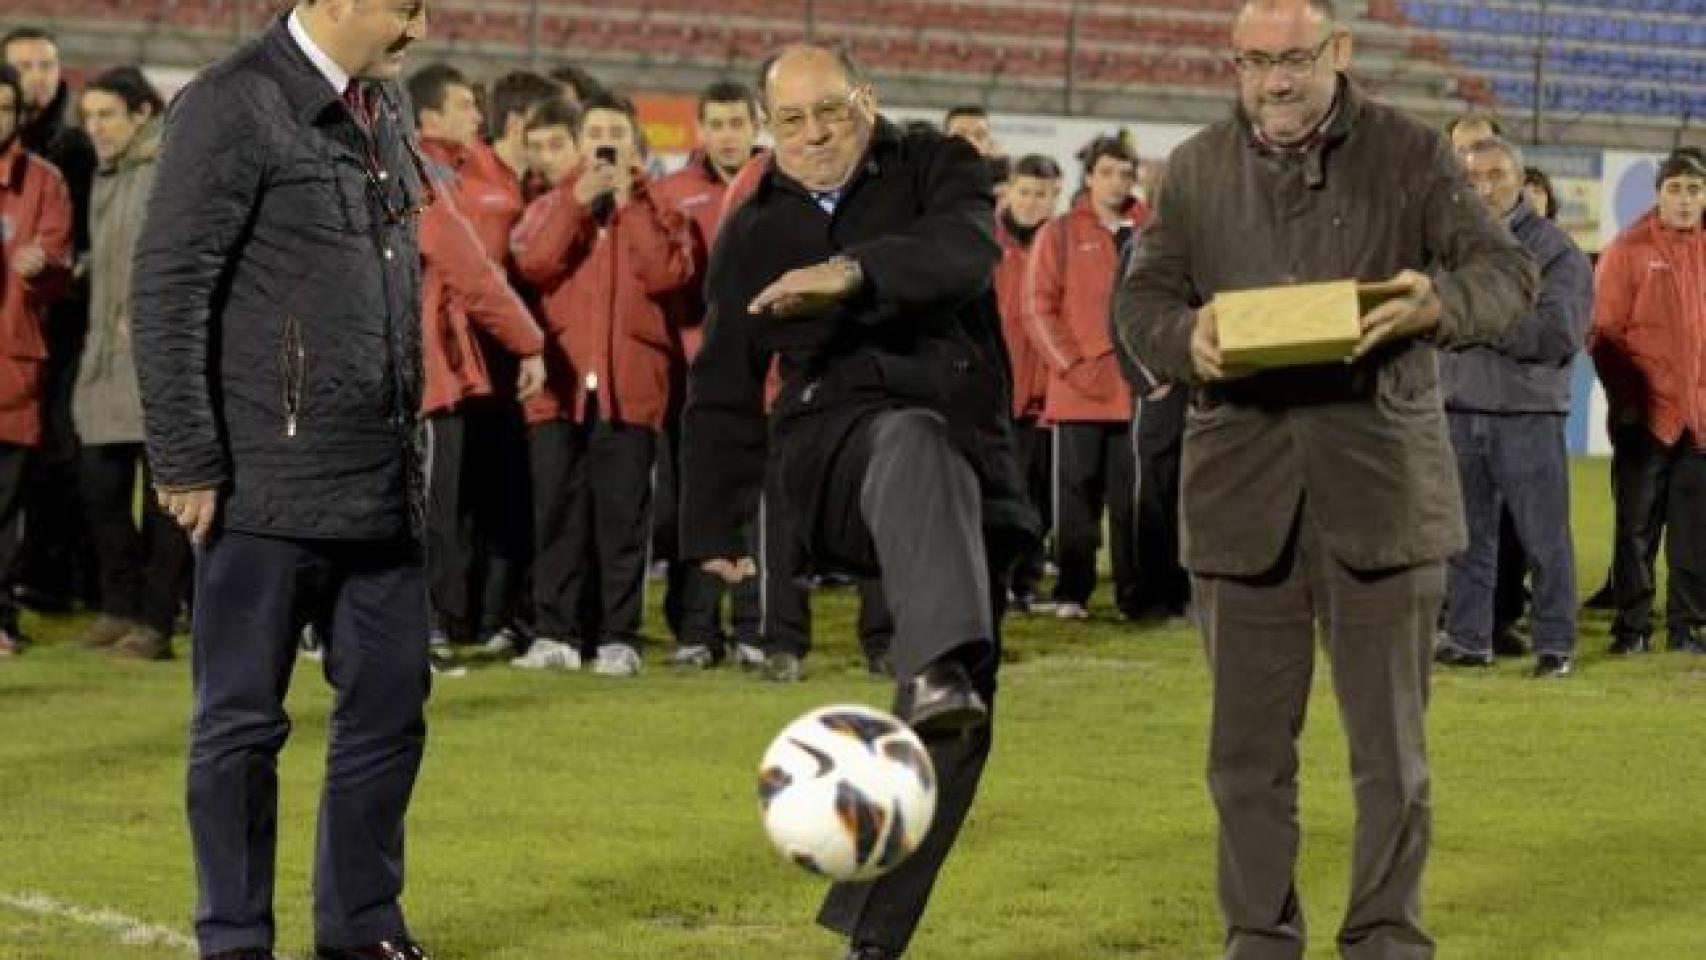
[(334, 74)]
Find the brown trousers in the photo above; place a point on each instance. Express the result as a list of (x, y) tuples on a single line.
[(1377, 628)]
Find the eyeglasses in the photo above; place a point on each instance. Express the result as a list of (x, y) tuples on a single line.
[(831, 110), (1292, 63)]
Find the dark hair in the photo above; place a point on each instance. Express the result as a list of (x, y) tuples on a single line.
[(913, 128), (1475, 116), (431, 83), (1536, 177), (1038, 166), (856, 75), (1682, 162), (516, 94), (24, 34), (9, 78), (1106, 147), (964, 110), (608, 100), (555, 112), (584, 85), (728, 91), (128, 84)]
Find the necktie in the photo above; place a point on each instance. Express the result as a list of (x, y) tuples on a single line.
[(356, 99)]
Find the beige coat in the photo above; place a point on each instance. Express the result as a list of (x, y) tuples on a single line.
[(107, 407)]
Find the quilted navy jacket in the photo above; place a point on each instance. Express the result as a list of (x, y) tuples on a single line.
[(276, 301)]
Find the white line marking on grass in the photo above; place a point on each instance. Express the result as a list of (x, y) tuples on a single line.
[(126, 929)]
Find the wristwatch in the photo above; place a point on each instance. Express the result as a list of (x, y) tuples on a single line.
[(854, 273)]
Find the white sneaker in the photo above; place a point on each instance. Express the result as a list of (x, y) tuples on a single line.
[(617, 660), (747, 656), (503, 642), (308, 643), (1067, 610), (549, 655)]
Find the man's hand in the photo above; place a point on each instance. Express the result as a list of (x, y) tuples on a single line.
[(194, 510), (808, 290), (531, 378), (731, 570), (31, 261), (1413, 314), (1082, 377), (1205, 349), (596, 178)]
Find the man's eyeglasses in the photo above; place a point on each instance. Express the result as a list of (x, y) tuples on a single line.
[(1292, 63), (791, 121)]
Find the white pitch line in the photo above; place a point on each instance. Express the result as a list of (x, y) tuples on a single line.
[(126, 929)]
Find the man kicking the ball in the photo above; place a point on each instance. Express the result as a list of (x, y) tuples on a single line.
[(861, 262)]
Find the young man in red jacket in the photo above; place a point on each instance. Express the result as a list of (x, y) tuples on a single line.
[(35, 267), (1031, 200), (473, 328), (1649, 347), (727, 127), (1069, 284), (605, 256)]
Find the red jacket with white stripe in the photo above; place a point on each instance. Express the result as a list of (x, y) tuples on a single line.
[(604, 290), (35, 210), (1030, 373), (1649, 329), (1068, 286), (464, 289)]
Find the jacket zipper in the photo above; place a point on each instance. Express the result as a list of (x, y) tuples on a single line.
[(294, 372)]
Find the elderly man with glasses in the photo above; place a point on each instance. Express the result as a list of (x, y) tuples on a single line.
[(860, 263), (1318, 501)]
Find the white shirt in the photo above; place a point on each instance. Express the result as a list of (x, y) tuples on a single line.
[(334, 74)]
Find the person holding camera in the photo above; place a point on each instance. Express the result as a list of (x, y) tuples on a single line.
[(604, 257)]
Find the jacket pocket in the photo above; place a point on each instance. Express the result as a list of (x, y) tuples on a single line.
[(293, 373)]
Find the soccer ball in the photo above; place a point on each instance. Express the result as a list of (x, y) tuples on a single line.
[(848, 792)]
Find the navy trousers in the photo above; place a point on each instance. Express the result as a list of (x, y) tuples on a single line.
[(368, 601), (1515, 461)]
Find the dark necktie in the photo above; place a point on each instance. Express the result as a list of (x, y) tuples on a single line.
[(356, 99)]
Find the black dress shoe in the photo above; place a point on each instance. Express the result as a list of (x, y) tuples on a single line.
[(404, 949), (1687, 640), (1459, 657), (1552, 665), (943, 700), (870, 951), (1631, 643), (252, 953)]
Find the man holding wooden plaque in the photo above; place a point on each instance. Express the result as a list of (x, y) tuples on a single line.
[(1319, 488)]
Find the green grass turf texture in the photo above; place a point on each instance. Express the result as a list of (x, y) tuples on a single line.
[(588, 818)]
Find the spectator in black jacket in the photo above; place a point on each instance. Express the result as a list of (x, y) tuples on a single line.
[(1505, 404), (55, 557), (862, 264), (277, 336)]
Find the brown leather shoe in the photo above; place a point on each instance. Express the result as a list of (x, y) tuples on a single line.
[(143, 643), (105, 632), (404, 949)]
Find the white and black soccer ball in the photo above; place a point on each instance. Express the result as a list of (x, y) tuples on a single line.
[(848, 792)]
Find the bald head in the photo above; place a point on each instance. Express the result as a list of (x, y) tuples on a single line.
[(821, 112), (1289, 55)]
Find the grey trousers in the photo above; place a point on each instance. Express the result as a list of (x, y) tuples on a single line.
[(921, 506), (1377, 628)]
